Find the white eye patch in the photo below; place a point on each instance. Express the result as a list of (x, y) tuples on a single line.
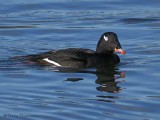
[(105, 38)]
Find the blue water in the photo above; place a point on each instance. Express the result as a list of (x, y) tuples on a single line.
[(32, 92)]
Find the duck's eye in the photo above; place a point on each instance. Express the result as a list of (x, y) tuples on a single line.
[(105, 38)]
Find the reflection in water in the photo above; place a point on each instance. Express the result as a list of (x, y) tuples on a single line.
[(74, 79), (106, 77)]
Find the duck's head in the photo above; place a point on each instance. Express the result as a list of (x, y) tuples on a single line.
[(109, 43)]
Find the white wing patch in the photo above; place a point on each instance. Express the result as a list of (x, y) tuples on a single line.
[(105, 38), (52, 62)]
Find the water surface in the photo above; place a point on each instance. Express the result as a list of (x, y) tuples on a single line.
[(34, 92)]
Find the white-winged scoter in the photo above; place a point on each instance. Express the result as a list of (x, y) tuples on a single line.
[(83, 58)]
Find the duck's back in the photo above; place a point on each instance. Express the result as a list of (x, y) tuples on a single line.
[(71, 57)]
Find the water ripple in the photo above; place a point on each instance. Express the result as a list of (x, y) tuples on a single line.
[(128, 91)]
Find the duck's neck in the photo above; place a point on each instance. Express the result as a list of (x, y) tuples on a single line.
[(103, 50), (102, 47)]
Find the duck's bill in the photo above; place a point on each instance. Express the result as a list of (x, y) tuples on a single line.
[(123, 52)]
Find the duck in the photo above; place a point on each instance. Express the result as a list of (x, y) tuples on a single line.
[(105, 54)]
